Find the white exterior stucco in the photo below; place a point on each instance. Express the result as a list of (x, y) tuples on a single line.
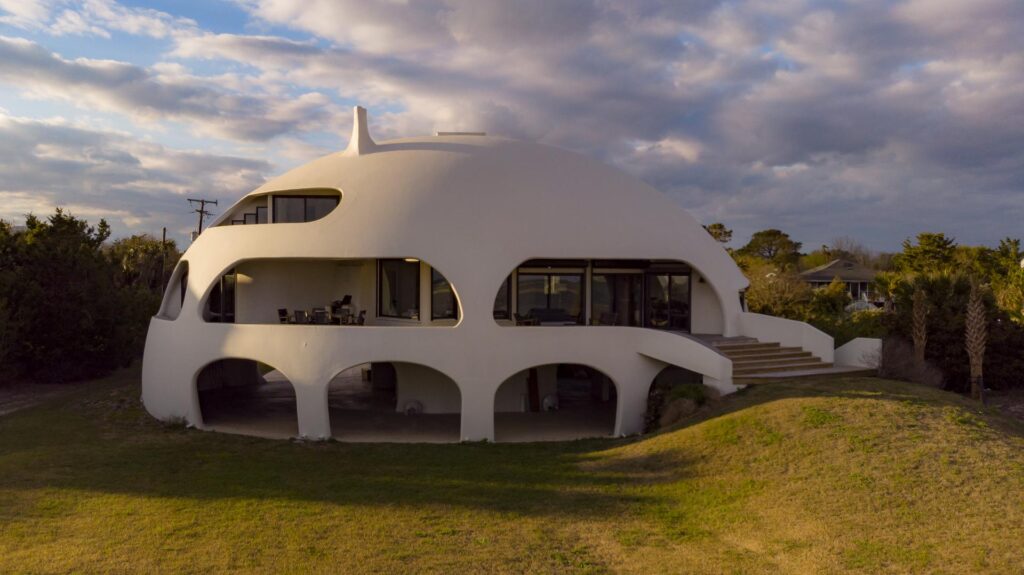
[(475, 208)]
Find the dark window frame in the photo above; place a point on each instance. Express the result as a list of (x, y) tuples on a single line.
[(645, 316), (380, 286), (219, 293), (580, 320), (303, 197), (451, 289), (507, 284), (639, 303)]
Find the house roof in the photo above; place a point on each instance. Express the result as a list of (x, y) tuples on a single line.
[(845, 270), (455, 201)]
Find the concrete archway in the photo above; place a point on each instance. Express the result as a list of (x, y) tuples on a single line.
[(244, 396), (394, 402), (555, 402)]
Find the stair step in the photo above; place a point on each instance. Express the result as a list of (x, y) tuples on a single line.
[(765, 356), (758, 352), (817, 364), (797, 356), (727, 347)]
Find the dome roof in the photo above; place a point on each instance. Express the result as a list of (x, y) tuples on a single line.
[(456, 198)]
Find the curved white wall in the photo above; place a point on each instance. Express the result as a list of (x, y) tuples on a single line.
[(476, 208), (789, 333)]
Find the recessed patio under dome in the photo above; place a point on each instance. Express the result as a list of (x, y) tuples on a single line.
[(526, 255)]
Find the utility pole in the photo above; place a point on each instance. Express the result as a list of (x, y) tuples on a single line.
[(201, 210)]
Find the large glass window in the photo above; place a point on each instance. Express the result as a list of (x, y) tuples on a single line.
[(503, 300), (668, 301), (221, 304), (551, 298), (297, 209), (319, 206), (442, 297), (615, 298), (398, 289)]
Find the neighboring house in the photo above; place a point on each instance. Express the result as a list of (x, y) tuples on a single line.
[(474, 266), (858, 278)]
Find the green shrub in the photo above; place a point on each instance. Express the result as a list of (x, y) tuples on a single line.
[(692, 391)]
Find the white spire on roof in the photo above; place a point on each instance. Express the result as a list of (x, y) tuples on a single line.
[(360, 142)]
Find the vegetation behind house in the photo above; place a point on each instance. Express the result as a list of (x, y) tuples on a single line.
[(72, 305)]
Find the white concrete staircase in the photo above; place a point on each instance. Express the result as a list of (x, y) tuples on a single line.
[(755, 361)]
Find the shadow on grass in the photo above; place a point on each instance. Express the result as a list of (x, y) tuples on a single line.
[(101, 440)]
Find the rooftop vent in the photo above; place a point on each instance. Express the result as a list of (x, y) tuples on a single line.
[(460, 133)]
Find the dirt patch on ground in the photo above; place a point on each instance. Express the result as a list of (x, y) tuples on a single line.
[(17, 396), (1010, 402)]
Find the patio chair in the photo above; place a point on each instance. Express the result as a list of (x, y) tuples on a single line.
[(320, 316), (361, 320), (301, 316), (282, 314), (339, 304)]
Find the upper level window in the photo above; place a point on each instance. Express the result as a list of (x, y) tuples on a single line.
[(442, 298), (398, 289), (221, 304), (551, 297), (296, 209), (503, 300)]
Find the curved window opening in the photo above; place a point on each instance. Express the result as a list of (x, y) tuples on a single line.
[(394, 402), (174, 295), (332, 292), (675, 394), (291, 206), (555, 402), (220, 306), (443, 304), (657, 294), (503, 300), (247, 397), (398, 288), (302, 208)]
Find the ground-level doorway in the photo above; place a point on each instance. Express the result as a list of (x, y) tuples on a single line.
[(555, 402)]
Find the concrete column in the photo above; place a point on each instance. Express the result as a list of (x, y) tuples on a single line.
[(723, 386), (311, 403), (633, 383), (477, 411)]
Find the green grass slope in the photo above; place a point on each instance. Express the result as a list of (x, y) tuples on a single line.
[(848, 475)]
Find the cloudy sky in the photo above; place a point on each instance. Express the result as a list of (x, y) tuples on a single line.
[(869, 119)]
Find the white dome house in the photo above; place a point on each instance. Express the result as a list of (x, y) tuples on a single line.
[(457, 287)]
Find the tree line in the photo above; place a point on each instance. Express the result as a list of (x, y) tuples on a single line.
[(965, 303), (73, 305)]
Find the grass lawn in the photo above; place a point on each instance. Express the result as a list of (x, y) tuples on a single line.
[(845, 475)]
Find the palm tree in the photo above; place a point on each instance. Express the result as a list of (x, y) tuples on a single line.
[(975, 339), (920, 325)]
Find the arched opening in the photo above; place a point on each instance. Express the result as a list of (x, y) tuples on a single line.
[(555, 402), (247, 397), (668, 295), (174, 295), (394, 402), (348, 292), (282, 207), (675, 394)]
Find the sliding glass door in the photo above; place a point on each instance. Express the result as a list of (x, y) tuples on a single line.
[(667, 303), (616, 298)]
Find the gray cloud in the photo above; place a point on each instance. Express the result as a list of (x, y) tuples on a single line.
[(871, 119), (138, 186), (161, 93)]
